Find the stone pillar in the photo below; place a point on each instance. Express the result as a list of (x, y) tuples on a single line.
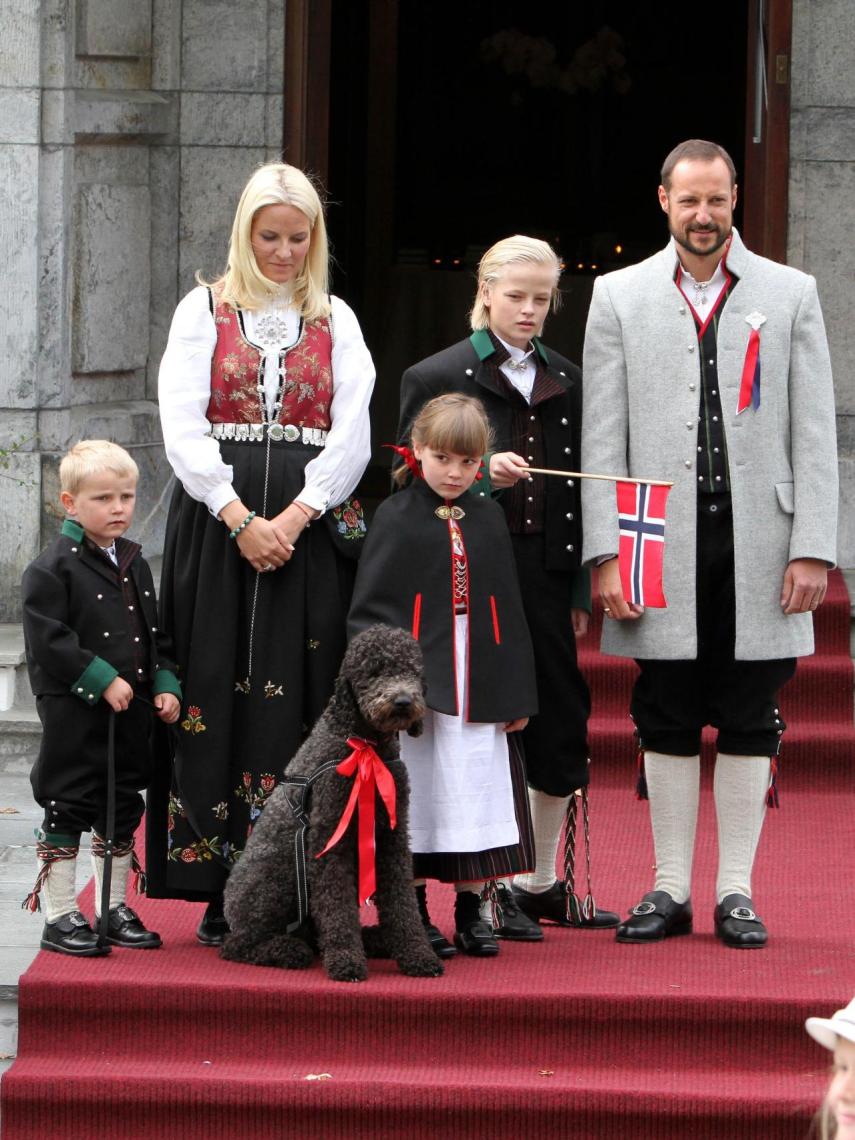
[(127, 132), (822, 203)]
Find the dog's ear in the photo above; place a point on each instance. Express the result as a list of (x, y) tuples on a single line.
[(416, 728), (343, 693)]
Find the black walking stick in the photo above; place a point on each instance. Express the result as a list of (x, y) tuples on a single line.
[(109, 830)]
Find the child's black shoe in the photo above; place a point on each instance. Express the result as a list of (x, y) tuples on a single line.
[(72, 934), (125, 928), (473, 935)]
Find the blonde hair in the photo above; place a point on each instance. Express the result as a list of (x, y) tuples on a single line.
[(452, 422), (91, 457), (243, 286), (516, 250)]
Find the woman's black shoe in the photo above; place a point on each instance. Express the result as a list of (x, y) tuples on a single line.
[(213, 928)]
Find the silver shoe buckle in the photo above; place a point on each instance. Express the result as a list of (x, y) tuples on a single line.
[(644, 908), (744, 914)]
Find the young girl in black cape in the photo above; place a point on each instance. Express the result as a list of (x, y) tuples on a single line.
[(438, 562)]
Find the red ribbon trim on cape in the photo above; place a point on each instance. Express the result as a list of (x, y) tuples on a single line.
[(749, 386), (370, 774)]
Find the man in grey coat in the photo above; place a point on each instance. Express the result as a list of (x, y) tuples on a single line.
[(708, 366)]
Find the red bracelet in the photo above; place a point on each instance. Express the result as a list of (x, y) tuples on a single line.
[(300, 507)]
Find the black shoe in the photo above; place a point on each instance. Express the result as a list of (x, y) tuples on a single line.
[(737, 925), (551, 906), (72, 934), (125, 928), (472, 935), (514, 924), (657, 916), (438, 942), (213, 928)]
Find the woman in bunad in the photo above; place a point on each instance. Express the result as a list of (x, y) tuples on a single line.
[(264, 390)]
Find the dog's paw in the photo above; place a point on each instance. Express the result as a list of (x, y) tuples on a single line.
[(421, 966), (346, 969)]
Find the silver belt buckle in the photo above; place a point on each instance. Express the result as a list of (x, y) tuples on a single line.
[(276, 432)]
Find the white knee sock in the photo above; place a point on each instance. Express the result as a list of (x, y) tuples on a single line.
[(672, 787), (547, 819), (118, 879), (740, 786), (60, 895)]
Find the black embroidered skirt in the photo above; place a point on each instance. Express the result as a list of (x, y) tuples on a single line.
[(258, 655)]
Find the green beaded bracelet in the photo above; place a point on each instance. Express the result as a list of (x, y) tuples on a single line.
[(234, 533)]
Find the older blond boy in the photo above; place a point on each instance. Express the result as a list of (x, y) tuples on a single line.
[(93, 645)]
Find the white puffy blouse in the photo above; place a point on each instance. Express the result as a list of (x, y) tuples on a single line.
[(184, 392)]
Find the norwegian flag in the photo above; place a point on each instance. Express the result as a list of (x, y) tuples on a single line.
[(641, 515)]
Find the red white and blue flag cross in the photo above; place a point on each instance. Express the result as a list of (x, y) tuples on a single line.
[(641, 516)]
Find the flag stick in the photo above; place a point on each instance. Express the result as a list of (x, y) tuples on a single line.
[(609, 478)]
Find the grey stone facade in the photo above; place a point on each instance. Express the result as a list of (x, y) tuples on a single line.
[(126, 133), (822, 204)]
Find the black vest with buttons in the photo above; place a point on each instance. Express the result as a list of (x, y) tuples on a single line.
[(712, 469)]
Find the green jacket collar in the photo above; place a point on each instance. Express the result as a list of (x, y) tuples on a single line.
[(484, 347), (72, 529)]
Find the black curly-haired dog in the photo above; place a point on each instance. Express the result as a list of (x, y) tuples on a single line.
[(378, 692)]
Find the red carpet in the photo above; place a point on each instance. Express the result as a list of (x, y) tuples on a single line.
[(577, 1035)]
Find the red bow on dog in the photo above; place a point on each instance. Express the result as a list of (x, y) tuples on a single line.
[(371, 773)]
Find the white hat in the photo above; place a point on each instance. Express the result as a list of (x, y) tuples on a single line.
[(826, 1030)]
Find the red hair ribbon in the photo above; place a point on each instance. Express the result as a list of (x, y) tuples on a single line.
[(408, 458), (371, 774)]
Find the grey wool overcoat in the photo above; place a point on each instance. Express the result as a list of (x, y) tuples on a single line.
[(642, 390)]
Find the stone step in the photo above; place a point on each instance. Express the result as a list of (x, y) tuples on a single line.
[(15, 689)]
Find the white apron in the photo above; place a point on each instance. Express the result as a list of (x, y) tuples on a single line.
[(461, 797)]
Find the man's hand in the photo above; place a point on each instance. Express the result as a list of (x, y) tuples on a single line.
[(167, 707), (507, 468), (805, 583), (118, 694), (611, 594)]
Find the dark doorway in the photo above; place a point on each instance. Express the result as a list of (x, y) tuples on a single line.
[(453, 124)]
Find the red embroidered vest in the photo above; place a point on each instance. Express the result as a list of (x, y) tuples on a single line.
[(235, 369)]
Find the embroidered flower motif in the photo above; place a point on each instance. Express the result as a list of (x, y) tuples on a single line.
[(221, 810), (247, 780), (271, 690), (268, 783), (242, 686), (193, 722), (311, 643), (188, 855), (349, 519)]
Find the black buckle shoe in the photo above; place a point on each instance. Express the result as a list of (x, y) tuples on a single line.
[(657, 916), (473, 935), (72, 934), (125, 928), (213, 928), (738, 926), (551, 906), (514, 924)]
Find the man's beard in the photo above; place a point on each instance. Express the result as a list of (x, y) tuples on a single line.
[(686, 242)]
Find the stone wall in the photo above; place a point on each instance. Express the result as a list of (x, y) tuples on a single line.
[(126, 133), (822, 203)]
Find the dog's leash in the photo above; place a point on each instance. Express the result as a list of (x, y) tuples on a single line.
[(296, 790)]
